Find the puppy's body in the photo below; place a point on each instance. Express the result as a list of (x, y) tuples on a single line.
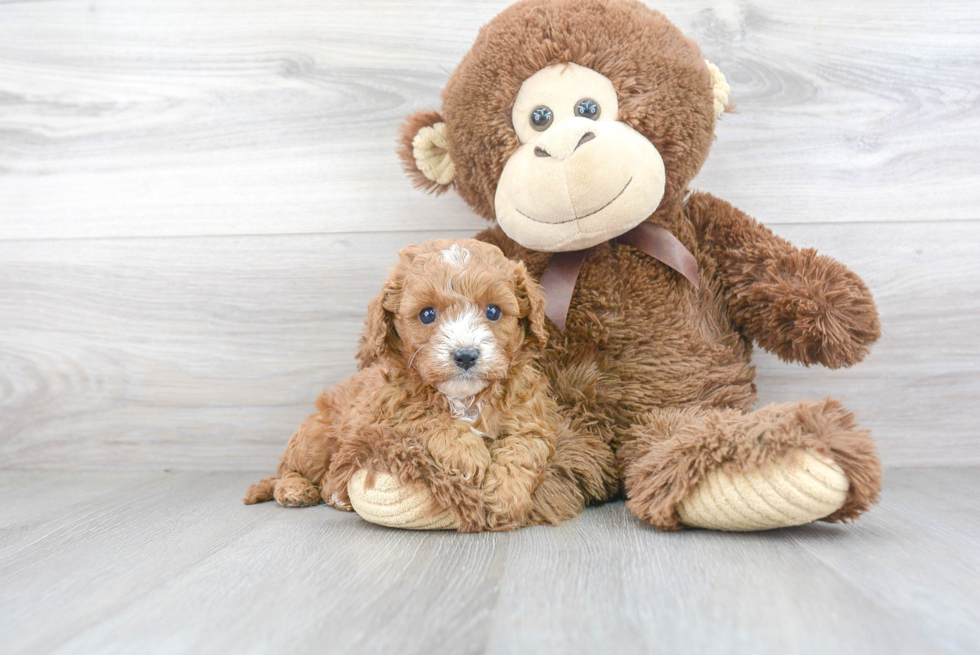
[(457, 403)]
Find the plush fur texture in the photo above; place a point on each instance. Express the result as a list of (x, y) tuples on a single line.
[(689, 442), (648, 60), (640, 342), (483, 454), (412, 125), (650, 370)]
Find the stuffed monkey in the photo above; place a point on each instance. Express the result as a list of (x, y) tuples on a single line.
[(577, 125)]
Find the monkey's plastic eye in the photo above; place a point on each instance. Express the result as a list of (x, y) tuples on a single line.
[(587, 108), (493, 313), (541, 118), (427, 315)]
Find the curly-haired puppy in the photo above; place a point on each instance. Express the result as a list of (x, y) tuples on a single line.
[(451, 396)]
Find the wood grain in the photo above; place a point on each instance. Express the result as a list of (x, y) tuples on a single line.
[(139, 118), (173, 563), (943, 520), (206, 353), (197, 202)]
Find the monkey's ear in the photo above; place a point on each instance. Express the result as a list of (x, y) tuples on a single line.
[(720, 89), (424, 152)]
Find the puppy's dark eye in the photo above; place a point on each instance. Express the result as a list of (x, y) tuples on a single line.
[(427, 315), (541, 118), (587, 108), (493, 312)]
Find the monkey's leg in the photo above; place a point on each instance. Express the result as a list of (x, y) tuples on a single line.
[(723, 469), (390, 479), (581, 472), (390, 502)]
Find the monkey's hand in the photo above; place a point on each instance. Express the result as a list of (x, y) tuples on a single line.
[(797, 304)]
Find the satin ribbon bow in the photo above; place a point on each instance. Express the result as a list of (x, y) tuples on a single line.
[(563, 269)]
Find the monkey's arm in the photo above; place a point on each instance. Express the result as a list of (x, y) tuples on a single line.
[(795, 303)]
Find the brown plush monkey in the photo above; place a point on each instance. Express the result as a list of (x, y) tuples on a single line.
[(577, 125)]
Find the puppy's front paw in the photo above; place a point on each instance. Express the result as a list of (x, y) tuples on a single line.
[(467, 465), (467, 472), (508, 501), (337, 499)]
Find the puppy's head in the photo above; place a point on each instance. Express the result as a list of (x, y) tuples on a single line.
[(456, 311)]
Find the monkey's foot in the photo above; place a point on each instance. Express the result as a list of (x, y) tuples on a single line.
[(394, 505), (803, 487)]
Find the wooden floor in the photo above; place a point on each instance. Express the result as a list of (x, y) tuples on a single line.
[(197, 201), (174, 563)]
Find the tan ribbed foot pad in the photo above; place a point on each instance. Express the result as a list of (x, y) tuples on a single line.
[(803, 488), (391, 504)]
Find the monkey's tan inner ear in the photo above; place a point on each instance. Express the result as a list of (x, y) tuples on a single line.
[(432, 155), (720, 89)]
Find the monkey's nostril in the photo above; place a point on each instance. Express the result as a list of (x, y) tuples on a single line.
[(540, 152), (465, 358), (588, 136)]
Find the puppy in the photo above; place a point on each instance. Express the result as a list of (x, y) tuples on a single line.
[(448, 394)]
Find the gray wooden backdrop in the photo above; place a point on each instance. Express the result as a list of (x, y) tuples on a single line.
[(197, 199)]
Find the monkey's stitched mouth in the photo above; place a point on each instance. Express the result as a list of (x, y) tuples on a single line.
[(577, 218)]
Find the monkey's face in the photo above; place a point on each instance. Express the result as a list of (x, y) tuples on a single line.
[(580, 176), (570, 122)]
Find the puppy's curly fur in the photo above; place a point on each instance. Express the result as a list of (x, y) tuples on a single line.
[(480, 434)]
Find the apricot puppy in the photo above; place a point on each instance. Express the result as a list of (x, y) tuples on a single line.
[(449, 395)]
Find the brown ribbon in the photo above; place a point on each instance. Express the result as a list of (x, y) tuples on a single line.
[(562, 271)]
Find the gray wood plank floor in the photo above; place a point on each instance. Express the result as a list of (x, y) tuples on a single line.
[(172, 563), (197, 201)]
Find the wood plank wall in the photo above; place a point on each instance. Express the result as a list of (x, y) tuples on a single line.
[(197, 201)]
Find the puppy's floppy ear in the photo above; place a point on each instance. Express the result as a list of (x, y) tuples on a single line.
[(424, 151), (530, 299), (379, 338)]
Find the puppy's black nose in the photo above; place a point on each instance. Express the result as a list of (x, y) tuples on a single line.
[(466, 357)]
